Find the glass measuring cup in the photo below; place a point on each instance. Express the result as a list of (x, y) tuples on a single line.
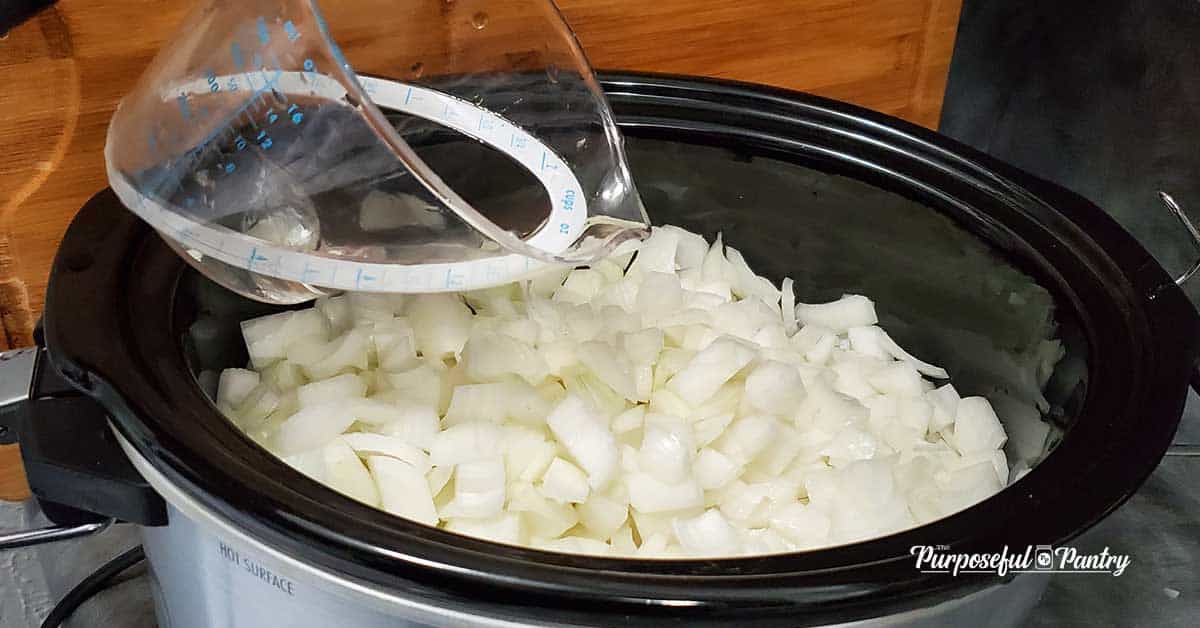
[(412, 146)]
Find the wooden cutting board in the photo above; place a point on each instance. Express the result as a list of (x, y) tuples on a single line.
[(63, 71)]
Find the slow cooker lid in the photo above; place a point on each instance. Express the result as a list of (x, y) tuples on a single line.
[(112, 326)]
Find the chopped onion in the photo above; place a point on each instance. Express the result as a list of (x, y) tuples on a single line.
[(367, 444), (441, 324), (676, 405), (709, 370), (403, 490), (467, 442), (707, 535), (564, 482), (649, 494), (586, 438), (851, 310), (478, 489), (234, 385)]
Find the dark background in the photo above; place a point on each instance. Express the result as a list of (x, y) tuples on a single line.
[(1100, 96), (1103, 97)]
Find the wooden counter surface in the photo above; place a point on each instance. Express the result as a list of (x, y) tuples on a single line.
[(63, 71)]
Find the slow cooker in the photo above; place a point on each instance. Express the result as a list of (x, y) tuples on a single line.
[(840, 198)]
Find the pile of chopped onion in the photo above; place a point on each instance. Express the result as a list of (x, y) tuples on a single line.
[(676, 405)]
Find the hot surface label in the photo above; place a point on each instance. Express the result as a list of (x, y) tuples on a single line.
[(253, 568)]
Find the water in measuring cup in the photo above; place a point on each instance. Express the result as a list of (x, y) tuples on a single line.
[(264, 162)]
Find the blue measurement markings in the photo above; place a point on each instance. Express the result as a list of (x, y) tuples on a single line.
[(235, 51), (264, 36), (290, 30), (361, 278), (255, 258)]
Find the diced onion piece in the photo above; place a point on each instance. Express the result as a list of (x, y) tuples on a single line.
[(690, 248), (897, 378), (479, 489), (945, 407), (709, 370), (667, 451), (496, 357), (367, 308), (337, 311), (775, 388), (657, 253), (544, 518), (423, 385), (586, 439), (648, 494), (714, 469), (339, 388), (346, 474), (874, 341), (467, 442), (787, 304), (319, 360), (603, 361), (622, 542), (403, 490), (642, 347), (976, 427), (659, 295), (498, 402), (602, 515), (234, 385), (745, 438), (367, 444), (801, 524), (709, 429), (851, 310), (269, 337), (547, 280), (284, 375), (416, 424), (707, 535), (564, 482), (747, 284), (395, 345), (573, 545), (528, 454), (312, 427), (438, 478), (629, 420), (503, 528), (441, 324)]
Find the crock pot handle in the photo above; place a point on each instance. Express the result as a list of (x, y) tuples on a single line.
[(1192, 231), (16, 378), (50, 534), (1175, 209), (76, 469)]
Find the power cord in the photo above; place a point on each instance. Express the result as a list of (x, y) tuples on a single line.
[(98, 581)]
